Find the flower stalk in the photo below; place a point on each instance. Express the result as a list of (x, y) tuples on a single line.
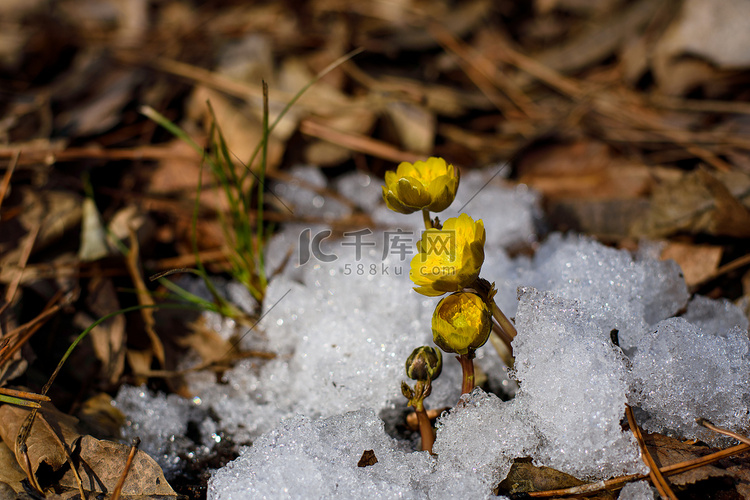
[(423, 365), (502, 327), (467, 367), (427, 220)]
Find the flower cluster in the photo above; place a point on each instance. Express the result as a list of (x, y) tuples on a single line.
[(449, 259)]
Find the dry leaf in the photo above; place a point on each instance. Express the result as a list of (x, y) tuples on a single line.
[(108, 338), (177, 172), (601, 38), (368, 458), (322, 153), (606, 219), (101, 462), (104, 462), (127, 218), (698, 202), (698, 262), (54, 211), (140, 363), (741, 476), (10, 472), (93, 236), (99, 416), (668, 451), (525, 477), (583, 169), (42, 445), (415, 126), (716, 31), (101, 109), (239, 124), (205, 340)]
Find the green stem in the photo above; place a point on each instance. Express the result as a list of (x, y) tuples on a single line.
[(467, 366), (261, 187), (506, 326), (427, 220)]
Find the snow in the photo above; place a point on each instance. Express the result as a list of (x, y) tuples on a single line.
[(343, 327), (639, 490)]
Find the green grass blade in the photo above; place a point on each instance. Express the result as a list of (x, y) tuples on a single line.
[(165, 122), (19, 401), (98, 322)]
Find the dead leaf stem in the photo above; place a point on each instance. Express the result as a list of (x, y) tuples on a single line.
[(133, 449), (656, 477)]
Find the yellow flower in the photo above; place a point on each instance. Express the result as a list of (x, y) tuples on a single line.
[(430, 184), (461, 323), (450, 258)]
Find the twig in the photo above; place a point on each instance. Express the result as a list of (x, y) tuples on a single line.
[(708, 425), (656, 478), (23, 394), (144, 298), (25, 331), (701, 106), (133, 449), (619, 482), (730, 266), (357, 142), (23, 259), (8, 174), (476, 71)]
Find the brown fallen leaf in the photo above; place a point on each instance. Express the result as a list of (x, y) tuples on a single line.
[(42, 445), (583, 169), (525, 477), (695, 48), (698, 202), (10, 472), (205, 340), (668, 451), (601, 38), (99, 416), (100, 463), (54, 212), (605, 219), (102, 466), (323, 153), (108, 338), (698, 262), (368, 458), (415, 126)]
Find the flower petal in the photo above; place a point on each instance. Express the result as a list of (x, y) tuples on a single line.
[(412, 193), (441, 194), (392, 202)]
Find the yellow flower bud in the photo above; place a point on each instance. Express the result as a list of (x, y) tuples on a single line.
[(448, 259), (424, 363), (430, 184), (461, 323)]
